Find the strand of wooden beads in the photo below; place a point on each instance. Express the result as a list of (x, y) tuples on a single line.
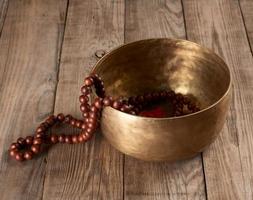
[(27, 148)]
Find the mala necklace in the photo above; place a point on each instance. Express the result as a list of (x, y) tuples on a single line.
[(27, 148)]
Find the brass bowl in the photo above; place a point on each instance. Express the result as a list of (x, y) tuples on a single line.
[(157, 64)]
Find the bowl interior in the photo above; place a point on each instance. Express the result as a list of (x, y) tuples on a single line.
[(158, 64)]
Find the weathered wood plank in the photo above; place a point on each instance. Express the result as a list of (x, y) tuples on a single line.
[(228, 163), (28, 65), (93, 170), (246, 7), (148, 180)]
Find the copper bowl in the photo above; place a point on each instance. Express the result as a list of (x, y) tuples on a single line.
[(158, 64)]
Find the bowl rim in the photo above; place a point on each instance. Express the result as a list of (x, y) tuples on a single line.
[(112, 51)]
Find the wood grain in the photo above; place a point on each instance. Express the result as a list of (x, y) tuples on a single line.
[(27, 87), (149, 180), (93, 170), (246, 7), (228, 163)]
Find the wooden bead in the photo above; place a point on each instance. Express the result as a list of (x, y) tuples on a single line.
[(68, 139), (68, 119), (85, 114), (72, 122), (51, 120), (60, 117), (86, 90), (98, 103), (80, 138), (28, 155), (117, 104), (13, 152), (19, 156), (21, 141), (85, 136), (37, 141), (74, 139), (61, 138), (88, 81), (54, 139), (93, 108), (78, 124), (35, 148), (89, 130), (15, 146), (39, 135), (29, 140), (84, 99), (84, 108), (40, 129), (93, 115), (107, 101), (83, 126)]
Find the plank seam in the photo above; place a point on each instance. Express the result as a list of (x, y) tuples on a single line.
[(57, 81), (182, 5), (201, 155), (204, 175), (245, 27), (7, 7)]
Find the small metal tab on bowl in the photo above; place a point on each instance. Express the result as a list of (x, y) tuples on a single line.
[(100, 53)]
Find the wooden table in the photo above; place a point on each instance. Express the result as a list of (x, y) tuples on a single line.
[(46, 49)]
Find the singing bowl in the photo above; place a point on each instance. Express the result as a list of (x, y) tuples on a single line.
[(162, 64)]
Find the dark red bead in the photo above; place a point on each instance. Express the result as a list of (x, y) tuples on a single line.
[(73, 122), (44, 125), (28, 155), (15, 146), (84, 99), (60, 117), (78, 124), (107, 101), (51, 120), (85, 114), (68, 119), (83, 126), (74, 139), (84, 108), (80, 138), (19, 156), (117, 104), (39, 135), (88, 81), (37, 141), (93, 115), (61, 138), (21, 141), (68, 139), (13, 152), (35, 148), (86, 90), (40, 129), (89, 130), (54, 139), (29, 140), (93, 108), (98, 103)]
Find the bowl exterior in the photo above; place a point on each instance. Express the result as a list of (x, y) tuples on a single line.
[(164, 139)]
